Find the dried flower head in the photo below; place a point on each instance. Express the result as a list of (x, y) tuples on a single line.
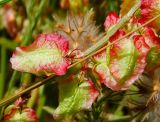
[(80, 30)]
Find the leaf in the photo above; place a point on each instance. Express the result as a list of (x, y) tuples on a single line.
[(48, 109), (111, 20), (17, 115), (150, 9), (75, 96), (44, 56), (125, 62), (153, 58), (4, 1), (151, 38), (115, 75)]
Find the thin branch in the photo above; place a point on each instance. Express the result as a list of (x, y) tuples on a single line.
[(113, 30)]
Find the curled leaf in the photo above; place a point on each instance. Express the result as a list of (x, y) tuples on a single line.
[(150, 9), (44, 56), (126, 64), (111, 20), (151, 38), (117, 73)]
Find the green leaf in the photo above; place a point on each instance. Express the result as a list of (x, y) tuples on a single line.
[(46, 55), (4, 1), (119, 70), (126, 60), (75, 96), (153, 57), (48, 109)]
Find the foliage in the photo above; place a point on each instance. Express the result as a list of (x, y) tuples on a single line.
[(75, 70)]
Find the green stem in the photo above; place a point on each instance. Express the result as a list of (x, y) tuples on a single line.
[(121, 105), (7, 101), (3, 74), (8, 44), (33, 99), (3, 71), (27, 39), (120, 119), (12, 80), (33, 22), (25, 79), (41, 102), (113, 30), (30, 8)]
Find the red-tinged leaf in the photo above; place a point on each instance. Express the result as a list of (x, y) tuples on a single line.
[(127, 62), (75, 95), (44, 56), (151, 38), (134, 23), (29, 115), (15, 114), (153, 59), (111, 20), (141, 45), (150, 9), (115, 48), (116, 75)]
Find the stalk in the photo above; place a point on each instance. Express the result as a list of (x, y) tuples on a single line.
[(8, 100), (3, 74), (113, 30), (28, 38), (3, 70), (8, 44), (41, 102)]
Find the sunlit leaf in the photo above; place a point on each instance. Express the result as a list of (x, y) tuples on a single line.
[(126, 64), (44, 56)]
